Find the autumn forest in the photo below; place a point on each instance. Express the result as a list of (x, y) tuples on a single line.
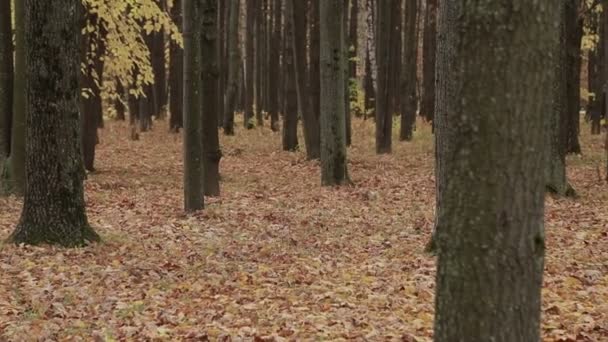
[(304, 170)]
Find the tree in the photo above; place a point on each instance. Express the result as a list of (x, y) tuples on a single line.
[(384, 50), (275, 58), (428, 60), (290, 105), (309, 120), (409, 71), (210, 74), (557, 130), (234, 58), (333, 129), (54, 207), (249, 63), (490, 195), (193, 137), (574, 37), (6, 82), (176, 73)]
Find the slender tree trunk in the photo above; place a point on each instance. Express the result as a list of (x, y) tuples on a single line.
[(574, 38), (314, 80), (119, 104), (311, 123), (490, 157), (54, 207), (176, 73), (557, 133), (290, 110), (384, 46), (6, 82), (333, 133), (16, 163), (193, 137), (409, 71), (159, 61), (259, 62), (250, 63), (221, 62), (428, 66), (211, 144), (371, 68), (346, 67), (234, 60), (275, 58)]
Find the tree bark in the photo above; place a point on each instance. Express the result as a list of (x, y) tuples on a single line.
[(210, 74), (408, 72), (275, 61), (428, 66), (490, 228), (250, 64), (159, 60), (333, 132), (221, 62), (384, 47), (54, 207), (6, 82), (290, 110), (346, 66), (309, 120), (574, 38), (176, 73), (371, 68), (193, 137), (234, 59)]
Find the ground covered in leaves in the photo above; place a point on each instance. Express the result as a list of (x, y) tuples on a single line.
[(278, 257)]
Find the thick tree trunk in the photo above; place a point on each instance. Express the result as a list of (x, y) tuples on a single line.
[(54, 207), (234, 61), (250, 64), (193, 137), (333, 133), (176, 74), (427, 107), (557, 132), (16, 163), (221, 62), (210, 74), (346, 67), (384, 47), (275, 58), (408, 72), (6, 82), (490, 232), (290, 110)]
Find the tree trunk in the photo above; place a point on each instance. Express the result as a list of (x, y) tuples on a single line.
[(234, 61), (221, 62), (54, 207), (6, 83), (250, 64), (193, 137), (333, 133), (490, 234), (428, 66), (159, 68), (290, 110), (16, 162), (314, 84), (346, 67), (574, 38), (275, 58), (371, 68), (119, 104), (557, 133), (311, 123), (210, 74), (408, 72), (384, 47), (176, 74)]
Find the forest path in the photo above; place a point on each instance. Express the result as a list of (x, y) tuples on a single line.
[(277, 254)]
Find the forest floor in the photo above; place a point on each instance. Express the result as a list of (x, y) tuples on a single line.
[(278, 256)]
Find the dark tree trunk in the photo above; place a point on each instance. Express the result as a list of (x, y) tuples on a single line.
[(333, 133), (427, 107), (193, 137), (250, 63), (408, 72), (490, 228), (211, 144), (370, 81), (384, 48), (557, 129), (234, 62), (54, 207), (259, 62), (353, 38), (309, 120), (159, 60), (275, 58), (221, 62), (346, 67), (176, 73), (6, 82), (290, 110), (119, 104), (314, 80), (574, 38), (394, 68), (93, 50)]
